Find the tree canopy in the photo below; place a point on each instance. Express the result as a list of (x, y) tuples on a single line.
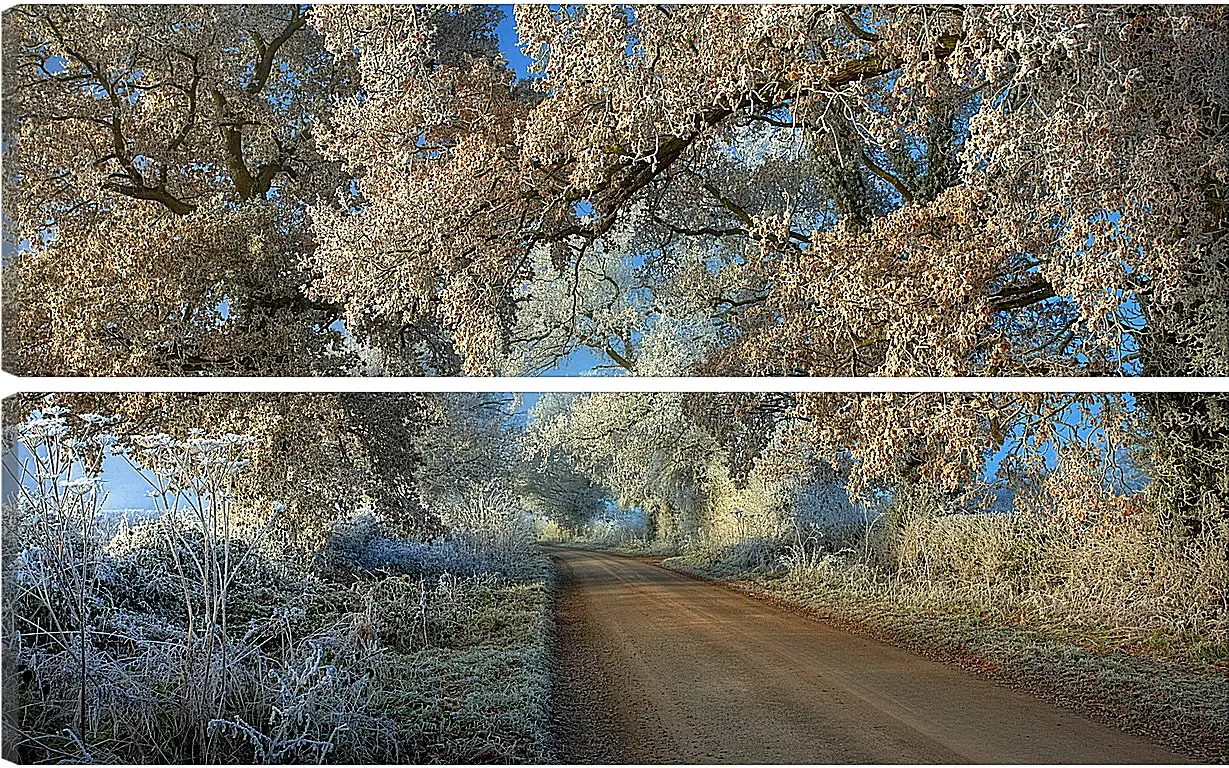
[(745, 190), (315, 459)]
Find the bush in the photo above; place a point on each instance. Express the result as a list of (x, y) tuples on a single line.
[(1133, 572), (484, 540), (359, 548)]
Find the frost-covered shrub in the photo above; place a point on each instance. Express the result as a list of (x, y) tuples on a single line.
[(1113, 568), (486, 532), (323, 703), (140, 574), (118, 642), (346, 546), (756, 553), (190, 637), (490, 525), (361, 548)]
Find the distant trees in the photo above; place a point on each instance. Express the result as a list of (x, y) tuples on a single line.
[(696, 463), (814, 190), (639, 447)]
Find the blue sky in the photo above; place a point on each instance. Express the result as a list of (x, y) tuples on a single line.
[(506, 31), (583, 361)]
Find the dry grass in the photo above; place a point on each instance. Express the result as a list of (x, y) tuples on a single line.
[(1137, 586)]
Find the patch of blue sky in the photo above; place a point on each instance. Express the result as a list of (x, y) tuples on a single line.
[(525, 402), (1131, 315), (637, 260), (122, 486), (509, 44), (126, 489), (583, 361), (583, 210), (1080, 429), (617, 516)]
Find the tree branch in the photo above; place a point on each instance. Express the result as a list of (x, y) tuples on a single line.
[(896, 183), (857, 31), (232, 140), (267, 52), (1021, 296), (157, 194)]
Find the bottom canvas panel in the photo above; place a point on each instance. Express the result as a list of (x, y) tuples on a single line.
[(615, 577)]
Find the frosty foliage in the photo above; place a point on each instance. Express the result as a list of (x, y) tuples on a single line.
[(793, 190), (317, 458), (486, 532), (866, 181), (198, 633), (815, 190), (186, 135)]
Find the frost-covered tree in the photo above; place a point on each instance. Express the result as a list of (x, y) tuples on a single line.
[(716, 470), (647, 452), (865, 190), (872, 178), (321, 458), (552, 488), (159, 165), (157, 161), (638, 447)]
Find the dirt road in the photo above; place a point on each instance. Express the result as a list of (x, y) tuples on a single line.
[(658, 667)]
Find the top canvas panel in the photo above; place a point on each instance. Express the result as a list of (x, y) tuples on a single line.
[(650, 190)]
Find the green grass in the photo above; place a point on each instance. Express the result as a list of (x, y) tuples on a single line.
[(477, 690)]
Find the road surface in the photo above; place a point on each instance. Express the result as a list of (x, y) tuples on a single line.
[(659, 667)]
